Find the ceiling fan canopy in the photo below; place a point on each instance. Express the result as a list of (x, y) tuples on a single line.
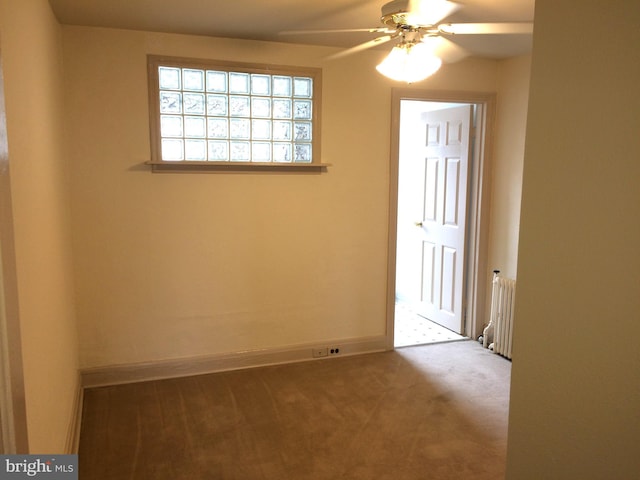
[(416, 13)]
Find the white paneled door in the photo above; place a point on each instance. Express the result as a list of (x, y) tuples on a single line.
[(432, 208)]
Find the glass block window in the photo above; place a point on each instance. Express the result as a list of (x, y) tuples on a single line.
[(218, 112)]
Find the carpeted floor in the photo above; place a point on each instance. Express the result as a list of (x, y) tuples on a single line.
[(429, 412)]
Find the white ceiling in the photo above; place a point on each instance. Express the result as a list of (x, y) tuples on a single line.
[(264, 19)]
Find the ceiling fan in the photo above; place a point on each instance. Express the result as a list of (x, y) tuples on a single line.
[(423, 42)]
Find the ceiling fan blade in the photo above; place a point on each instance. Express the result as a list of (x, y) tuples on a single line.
[(486, 28), (344, 30), (362, 46), (429, 12), (448, 51)]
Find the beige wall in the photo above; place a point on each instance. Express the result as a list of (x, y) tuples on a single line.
[(506, 191), (508, 157), (575, 396), (32, 61), (181, 265)]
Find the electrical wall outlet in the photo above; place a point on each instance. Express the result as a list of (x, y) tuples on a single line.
[(320, 352), (325, 352)]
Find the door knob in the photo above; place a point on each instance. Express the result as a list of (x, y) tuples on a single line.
[(418, 224)]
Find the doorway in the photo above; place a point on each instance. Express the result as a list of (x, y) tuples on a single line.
[(438, 207)]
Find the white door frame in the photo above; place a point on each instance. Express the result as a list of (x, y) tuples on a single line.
[(476, 274)]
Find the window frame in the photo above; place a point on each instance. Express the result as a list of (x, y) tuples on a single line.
[(159, 165)]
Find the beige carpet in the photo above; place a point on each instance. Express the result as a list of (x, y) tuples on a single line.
[(431, 412)]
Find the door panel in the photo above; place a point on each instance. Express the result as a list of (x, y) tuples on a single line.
[(447, 280), (431, 189), (434, 165), (428, 263), (451, 205)]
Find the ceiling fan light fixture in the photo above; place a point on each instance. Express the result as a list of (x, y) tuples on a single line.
[(410, 62)]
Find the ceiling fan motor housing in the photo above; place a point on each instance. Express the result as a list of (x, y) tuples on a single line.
[(395, 7), (394, 13)]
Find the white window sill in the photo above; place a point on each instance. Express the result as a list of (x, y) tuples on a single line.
[(213, 167)]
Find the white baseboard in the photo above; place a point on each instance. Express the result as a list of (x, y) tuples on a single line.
[(73, 435), (183, 367)]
